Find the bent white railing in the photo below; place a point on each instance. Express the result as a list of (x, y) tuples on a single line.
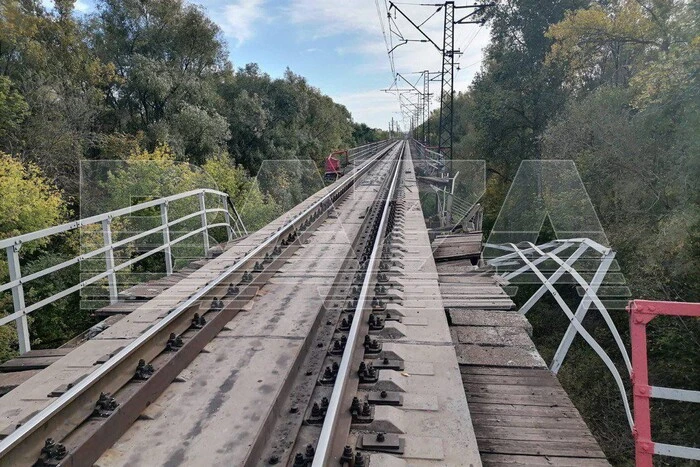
[(527, 260), (427, 157), (233, 224)]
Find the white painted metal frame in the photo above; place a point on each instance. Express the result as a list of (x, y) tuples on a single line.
[(428, 156), (13, 245), (527, 259)]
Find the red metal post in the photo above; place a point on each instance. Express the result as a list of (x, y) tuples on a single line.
[(641, 313), (643, 445)]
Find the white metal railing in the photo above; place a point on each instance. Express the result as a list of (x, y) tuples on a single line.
[(527, 259), (233, 224), (362, 152), (427, 157)]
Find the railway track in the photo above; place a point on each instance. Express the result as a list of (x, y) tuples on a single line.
[(90, 416), (279, 352), (321, 339)]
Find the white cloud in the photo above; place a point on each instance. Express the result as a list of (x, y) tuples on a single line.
[(373, 107), (326, 18), (82, 7), (361, 23), (239, 18)]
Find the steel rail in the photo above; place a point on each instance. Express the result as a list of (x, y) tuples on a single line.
[(325, 442), (53, 409)]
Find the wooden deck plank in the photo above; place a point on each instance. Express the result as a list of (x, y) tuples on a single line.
[(533, 411), (506, 356), (479, 303), (28, 363), (36, 353), (492, 335), (9, 381), (533, 381), (521, 414), (504, 390), (497, 460), (519, 399), (538, 434), (540, 448), (507, 371), (514, 421), (462, 317)]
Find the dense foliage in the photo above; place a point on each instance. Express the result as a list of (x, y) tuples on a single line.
[(148, 85), (613, 86)]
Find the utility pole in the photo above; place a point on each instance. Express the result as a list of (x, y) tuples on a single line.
[(447, 88), (427, 76), (423, 99), (426, 105), (445, 126)]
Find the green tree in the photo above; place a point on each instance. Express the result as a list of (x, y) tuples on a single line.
[(169, 57), (13, 107), (28, 202)]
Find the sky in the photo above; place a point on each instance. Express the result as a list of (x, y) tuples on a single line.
[(339, 46)]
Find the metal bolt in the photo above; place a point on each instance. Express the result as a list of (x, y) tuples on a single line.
[(310, 452), (371, 371), (355, 406), (347, 456), (299, 460), (380, 437)]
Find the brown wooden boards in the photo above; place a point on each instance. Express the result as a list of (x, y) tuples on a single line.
[(521, 414)]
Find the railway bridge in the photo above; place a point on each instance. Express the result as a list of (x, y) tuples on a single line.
[(345, 332)]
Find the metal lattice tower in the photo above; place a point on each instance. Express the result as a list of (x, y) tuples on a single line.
[(447, 89), (426, 107)]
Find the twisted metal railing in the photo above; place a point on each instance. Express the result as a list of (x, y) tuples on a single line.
[(528, 259)]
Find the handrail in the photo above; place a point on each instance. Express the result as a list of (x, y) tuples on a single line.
[(17, 281), (24, 238), (641, 313)]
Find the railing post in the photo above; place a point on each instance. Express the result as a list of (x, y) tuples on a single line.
[(205, 232), (166, 238), (18, 298), (643, 445), (109, 260), (227, 217)]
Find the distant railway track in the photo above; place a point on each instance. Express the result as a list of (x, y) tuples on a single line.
[(92, 414)]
